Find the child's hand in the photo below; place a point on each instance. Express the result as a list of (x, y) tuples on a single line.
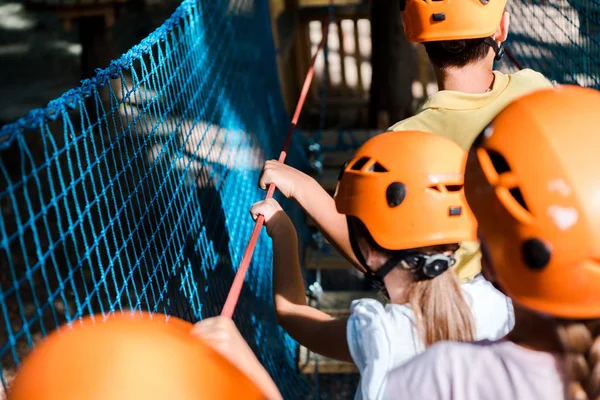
[(283, 176), (221, 334), (273, 213)]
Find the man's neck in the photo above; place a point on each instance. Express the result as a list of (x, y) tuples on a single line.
[(476, 78)]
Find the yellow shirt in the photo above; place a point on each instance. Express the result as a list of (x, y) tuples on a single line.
[(461, 117)]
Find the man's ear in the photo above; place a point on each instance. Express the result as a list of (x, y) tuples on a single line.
[(501, 33)]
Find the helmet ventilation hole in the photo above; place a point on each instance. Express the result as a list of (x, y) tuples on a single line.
[(377, 168), (518, 196), (498, 161), (454, 188), (360, 163)]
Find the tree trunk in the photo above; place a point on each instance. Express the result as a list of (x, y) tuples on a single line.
[(394, 66)]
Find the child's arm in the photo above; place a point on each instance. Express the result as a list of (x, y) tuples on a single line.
[(312, 328), (221, 334), (314, 200)]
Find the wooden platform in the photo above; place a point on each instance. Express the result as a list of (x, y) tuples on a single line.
[(314, 259), (338, 302), (328, 179), (307, 364), (329, 137)]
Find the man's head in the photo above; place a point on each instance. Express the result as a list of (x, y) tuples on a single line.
[(457, 33)]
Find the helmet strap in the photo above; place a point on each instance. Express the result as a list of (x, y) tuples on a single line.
[(498, 48), (426, 266), (356, 250), (390, 264)]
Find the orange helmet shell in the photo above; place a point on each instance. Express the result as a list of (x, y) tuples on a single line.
[(128, 356), (433, 210), (436, 20), (533, 185)]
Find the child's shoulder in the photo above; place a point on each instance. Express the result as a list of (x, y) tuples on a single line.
[(421, 121), (530, 78)]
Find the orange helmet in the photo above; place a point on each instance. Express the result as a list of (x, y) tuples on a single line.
[(407, 188), (436, 20), (128, 356), (532, 182)]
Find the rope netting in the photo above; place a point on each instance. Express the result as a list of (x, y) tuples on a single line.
[(132, 191), (559, 38)]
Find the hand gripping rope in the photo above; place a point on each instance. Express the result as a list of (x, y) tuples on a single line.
[(238, 281)]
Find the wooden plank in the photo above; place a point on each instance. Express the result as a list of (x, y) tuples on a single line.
[(342, 54), (325, 3), (358, 55), (314, 259), (349, 11), (329, 137), (308, 365), (339, 301), (285, 32), (329, 179), (335, 159), (303, 56)]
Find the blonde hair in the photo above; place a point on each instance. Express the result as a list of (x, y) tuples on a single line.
[(580, 342), (441, 312)]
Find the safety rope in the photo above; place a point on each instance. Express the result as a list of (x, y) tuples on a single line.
[(238, 282)]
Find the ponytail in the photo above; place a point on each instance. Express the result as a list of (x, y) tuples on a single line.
[(580, 341), (441, 312)]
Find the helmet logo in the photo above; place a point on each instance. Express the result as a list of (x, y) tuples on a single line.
[(395, 194), (535, 253), (563, 217), (438, 17), (559, 185), (454, 211)]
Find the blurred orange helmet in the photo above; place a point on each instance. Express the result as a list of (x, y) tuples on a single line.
[(436, 20), (407, 188), (128, 356), (532, 182)]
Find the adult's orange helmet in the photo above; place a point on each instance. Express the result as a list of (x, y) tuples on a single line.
[(407, 189), (128, 356), (532, 182), (436, 20)]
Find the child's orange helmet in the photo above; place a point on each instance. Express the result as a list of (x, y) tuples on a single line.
[(128, 356), (436, 20), (407, 188), (532, 180)]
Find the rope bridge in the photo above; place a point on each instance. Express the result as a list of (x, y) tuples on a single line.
[(132, 191)]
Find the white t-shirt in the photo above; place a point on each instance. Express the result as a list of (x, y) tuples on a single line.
[(382, 338), (483, 370)]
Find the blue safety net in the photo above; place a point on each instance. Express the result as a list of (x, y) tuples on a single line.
[(559, 38), (132, 191)]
